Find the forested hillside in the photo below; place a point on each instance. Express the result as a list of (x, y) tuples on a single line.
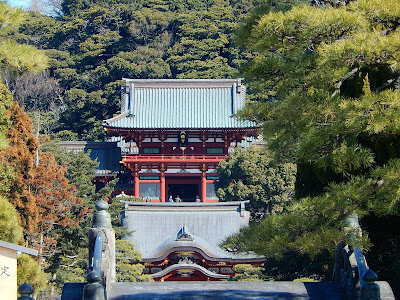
[(324, 80), (94, 44), (329, 77)]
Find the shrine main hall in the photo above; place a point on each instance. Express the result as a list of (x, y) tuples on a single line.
[(174, 133), (166, 144)]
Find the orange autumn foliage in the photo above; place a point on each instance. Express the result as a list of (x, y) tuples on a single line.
[(20, 156), (55, 202), (41, 194)]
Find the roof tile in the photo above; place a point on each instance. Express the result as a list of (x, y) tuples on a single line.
[(178, 104)]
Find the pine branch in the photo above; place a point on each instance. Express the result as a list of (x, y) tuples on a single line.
[(388, 83), (347, 76)]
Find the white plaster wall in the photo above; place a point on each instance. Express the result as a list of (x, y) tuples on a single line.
[(152, 228), (8, 274)]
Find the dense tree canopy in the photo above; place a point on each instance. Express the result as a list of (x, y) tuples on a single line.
[(94, 44), (250, 174), (10, 230), (15, 58), (327, 78), (128, 270), (323, 77)]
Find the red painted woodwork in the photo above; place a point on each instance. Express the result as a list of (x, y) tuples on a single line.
[(172, 156), (203, 188), (195, 276), (199, 259), (131, 158), (162, 188), (136, 187)]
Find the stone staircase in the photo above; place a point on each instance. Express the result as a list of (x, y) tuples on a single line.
[(227, 290), (232, 290), (352, 279)]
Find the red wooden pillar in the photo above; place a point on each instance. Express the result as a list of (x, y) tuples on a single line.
[(162, 168), (203, 188), (136, 188), (162, 187), (136, 178)]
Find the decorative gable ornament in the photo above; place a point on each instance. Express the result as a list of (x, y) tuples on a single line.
[(182, 138)]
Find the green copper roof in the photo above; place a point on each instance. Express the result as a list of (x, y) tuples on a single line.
[(181, 104)]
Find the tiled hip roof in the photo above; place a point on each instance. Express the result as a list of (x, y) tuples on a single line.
[(181, 107)]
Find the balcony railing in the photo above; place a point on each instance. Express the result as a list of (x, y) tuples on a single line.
[(173, 158)]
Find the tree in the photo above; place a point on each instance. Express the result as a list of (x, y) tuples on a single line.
[(6, 174), (202, 50), (56, 203), (247, 272), (128, 270), (10, 230), (250, 174), (81, 169), (29, 271), (329, 83), (15, 58), (20, 156), (41, 192), (70, 263), (96, 43)]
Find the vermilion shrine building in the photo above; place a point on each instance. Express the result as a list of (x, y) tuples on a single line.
[(176, 132), (180, 241), (168, 141)]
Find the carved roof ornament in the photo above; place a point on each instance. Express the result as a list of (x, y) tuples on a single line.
[(184, 235), (186, 260)]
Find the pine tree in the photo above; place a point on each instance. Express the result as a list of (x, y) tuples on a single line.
[(328, 81), (251, 174), (128, 270), (10, 230)]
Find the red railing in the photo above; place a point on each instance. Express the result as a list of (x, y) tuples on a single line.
[(173, 158)]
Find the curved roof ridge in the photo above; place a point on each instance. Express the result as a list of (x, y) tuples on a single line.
[(186, 103), (194, 241), (185, 240), (189, 266), (118, 117)]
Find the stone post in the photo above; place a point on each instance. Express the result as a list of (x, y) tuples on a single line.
[(370, 290), (102, 223), (25, 290), (93, 290)]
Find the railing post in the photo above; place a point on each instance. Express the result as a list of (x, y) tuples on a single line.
[(93, 290), (339, 262), (102, 257), (369, 290), (25, 290)]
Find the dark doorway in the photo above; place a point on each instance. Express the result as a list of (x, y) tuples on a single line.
[(187, 192)]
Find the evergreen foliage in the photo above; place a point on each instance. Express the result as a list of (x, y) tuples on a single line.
[(40, 193), (81, 169), (327, 79), (128, 270), (246, 272), (250, 174), (29, 271), (324, 79), (10, 230), (16, 58), (94, 44)]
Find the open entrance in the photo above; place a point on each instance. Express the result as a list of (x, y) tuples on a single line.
[(186, 192)]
